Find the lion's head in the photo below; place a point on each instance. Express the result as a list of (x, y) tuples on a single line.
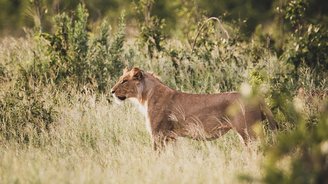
[(129, 85)]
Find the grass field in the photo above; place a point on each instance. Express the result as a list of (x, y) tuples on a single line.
[(98, 142)]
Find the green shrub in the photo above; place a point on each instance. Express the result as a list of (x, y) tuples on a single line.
[(301, 94), (24, 114), (77, 59), (309, 43), (306, 149), (105, 55), (72, 60), (152, 35)]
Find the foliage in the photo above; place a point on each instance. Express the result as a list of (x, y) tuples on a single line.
[(105, 55), (25, 111), (302, 149), (309, 43), (76, 59), (70, 61), (306, 150), (151, 32)]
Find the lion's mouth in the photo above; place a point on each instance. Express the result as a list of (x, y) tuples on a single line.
[(121, 97)]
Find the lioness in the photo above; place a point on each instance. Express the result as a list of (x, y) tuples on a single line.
[(170, 113)]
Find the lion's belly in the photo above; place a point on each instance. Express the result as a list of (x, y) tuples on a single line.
[(202, 126)]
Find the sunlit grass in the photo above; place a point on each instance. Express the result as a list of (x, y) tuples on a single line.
[(98, 142)]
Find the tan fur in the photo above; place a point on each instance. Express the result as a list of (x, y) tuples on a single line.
[(170, 113)]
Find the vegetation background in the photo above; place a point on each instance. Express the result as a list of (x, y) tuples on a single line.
[(58, 60)]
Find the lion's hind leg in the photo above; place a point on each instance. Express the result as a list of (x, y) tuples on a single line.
[(247, 135)]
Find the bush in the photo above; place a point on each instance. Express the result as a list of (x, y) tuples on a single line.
[(76, 59), (25, 112), (302, 148), (309, 43), (306, 149), (151, 33)]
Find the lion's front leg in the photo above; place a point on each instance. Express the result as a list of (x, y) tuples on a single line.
[(162, 139)]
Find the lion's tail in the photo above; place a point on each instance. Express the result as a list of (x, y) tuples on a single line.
[(266, 112)]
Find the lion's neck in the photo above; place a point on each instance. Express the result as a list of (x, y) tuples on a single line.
[(153, 90), (149, 90), (154, 93), (142, 107)]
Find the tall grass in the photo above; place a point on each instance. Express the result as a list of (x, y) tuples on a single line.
[(96, 142), (91, 140)]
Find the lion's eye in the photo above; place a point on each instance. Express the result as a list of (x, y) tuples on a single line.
[(124, 81)]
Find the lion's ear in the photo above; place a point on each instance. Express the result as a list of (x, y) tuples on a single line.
[(138, 74), (125, 70)]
